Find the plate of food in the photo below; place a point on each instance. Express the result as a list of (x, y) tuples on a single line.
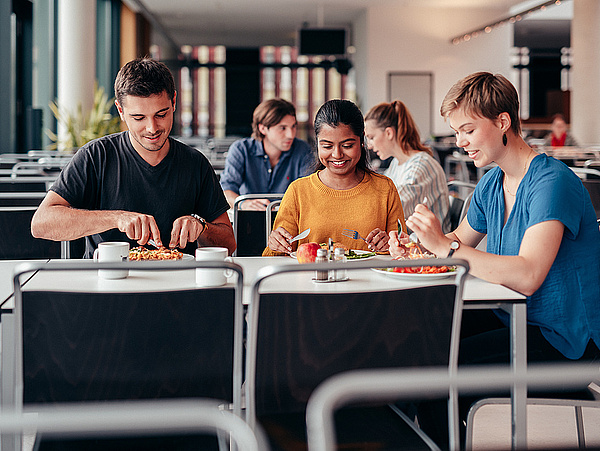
[(351, 254), (419, 272), (144, 254)]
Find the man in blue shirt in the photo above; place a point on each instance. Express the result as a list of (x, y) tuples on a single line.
[(270, 160)]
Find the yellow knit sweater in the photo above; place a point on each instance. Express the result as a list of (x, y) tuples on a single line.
[(373, 203)]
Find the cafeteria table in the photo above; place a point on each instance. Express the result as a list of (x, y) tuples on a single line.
[(478, 294)]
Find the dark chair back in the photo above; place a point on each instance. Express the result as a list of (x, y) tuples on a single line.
[(323, 335), (21, 199), (249, 227), (101, 346), (296, 340), (16, 241), (26, 184)]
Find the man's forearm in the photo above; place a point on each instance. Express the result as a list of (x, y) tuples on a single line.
[(62, 223), (218, 234)]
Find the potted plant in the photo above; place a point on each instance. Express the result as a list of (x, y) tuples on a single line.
[(81, 128)]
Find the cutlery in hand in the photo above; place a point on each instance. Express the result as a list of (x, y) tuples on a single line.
[(300, 236), (352, 234), (412, 235)]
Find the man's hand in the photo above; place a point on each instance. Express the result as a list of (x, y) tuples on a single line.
[(139, 227), (255, 204), (185, 230)]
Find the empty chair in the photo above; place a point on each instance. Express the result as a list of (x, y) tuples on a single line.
[(551, 423), (249, 226), (96, 341), (385, 384), (26, 183), (296, 340), (459, 202), (16, 241), (21, 199)]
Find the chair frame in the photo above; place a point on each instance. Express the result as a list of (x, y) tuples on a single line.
[(466, 199), (269, 221), (12, 382), (393, 384), (270, 271), (110, 419)]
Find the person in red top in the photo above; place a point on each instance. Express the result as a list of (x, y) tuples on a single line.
[(559, 136)]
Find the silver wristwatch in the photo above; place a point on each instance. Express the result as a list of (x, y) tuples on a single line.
[(454, 245)]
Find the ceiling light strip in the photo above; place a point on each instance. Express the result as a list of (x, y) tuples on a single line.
[(506, 20)]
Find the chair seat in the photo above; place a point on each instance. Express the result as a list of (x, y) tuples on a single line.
[(551, 424)]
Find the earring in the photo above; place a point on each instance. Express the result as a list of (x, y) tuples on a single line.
[(504, 139)]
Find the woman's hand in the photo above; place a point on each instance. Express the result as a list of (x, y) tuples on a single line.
[(279, 240), (429, 231), (397, 244), (377, 240)]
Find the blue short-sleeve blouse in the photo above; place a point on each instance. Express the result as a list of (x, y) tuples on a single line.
[(567, 305)]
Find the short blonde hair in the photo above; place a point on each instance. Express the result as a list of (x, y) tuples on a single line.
[(485, 95)]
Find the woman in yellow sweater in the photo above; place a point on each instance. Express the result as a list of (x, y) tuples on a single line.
[(343, 193)]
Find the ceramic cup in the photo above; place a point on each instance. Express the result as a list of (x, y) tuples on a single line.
[(112, 251), (212, 277)]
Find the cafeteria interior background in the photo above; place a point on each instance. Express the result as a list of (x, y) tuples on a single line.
[(229, 56)]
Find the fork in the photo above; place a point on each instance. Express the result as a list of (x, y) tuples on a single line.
[(352, 234)]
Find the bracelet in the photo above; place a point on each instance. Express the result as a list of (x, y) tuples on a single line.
[(201, 220)]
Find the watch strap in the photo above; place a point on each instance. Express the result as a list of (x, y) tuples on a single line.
[(201, 220)]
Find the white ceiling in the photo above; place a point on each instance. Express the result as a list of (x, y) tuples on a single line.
[(251, 23)]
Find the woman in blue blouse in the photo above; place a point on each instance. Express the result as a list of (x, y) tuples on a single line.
[(542, 235)]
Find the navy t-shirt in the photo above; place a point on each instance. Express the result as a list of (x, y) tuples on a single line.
[(108, 174)]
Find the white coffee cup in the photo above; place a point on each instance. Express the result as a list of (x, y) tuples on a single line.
[(112, 251), (212, 277)]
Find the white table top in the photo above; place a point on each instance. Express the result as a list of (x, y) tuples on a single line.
[(6, 276), (143, 281)]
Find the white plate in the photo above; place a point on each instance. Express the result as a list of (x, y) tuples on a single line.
[(358, 252), (407, 276)]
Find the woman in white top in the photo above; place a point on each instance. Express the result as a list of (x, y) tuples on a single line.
[(391, 132)]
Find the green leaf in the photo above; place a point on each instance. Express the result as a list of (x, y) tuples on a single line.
[(82, 127)]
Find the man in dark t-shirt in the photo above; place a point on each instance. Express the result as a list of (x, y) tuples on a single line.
[(139, 184)]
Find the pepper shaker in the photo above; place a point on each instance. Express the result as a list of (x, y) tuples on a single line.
[(321, 275)]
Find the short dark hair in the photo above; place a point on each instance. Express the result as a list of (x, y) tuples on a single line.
[(335, 112), (143, 77), (270, 113)]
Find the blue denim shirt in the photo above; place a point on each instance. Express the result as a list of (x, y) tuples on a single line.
[(248, 170)]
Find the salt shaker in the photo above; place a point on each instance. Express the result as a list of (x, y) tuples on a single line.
[(322, 257), (339, 256)]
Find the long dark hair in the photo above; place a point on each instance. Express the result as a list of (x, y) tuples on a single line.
[(335, 112)]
